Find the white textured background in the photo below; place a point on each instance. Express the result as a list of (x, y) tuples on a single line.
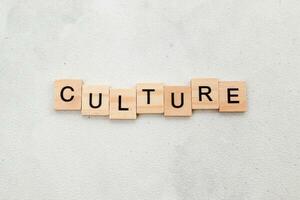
[(48, 155)]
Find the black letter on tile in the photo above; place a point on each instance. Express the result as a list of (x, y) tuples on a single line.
[(204, 93), (173, 100), (62, 94), (229, 95), (91, 101), (148, 94), (120, 102)]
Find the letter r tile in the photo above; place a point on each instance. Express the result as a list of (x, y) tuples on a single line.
[(205, 93)]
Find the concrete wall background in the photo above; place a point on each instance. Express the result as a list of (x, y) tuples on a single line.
[(61, 155)]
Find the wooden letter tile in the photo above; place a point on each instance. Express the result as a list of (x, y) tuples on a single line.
[(232, 96), (95, 100), (205, 93), (177, 101), (122, 103), (150, 98), (67, 94)]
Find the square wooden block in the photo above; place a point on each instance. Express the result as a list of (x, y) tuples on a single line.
[(122, 103), (205, 93), (67, 94), (177, 101), (95, 100), (232, 96), (150, 97)]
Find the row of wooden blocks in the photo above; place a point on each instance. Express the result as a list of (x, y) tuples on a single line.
[(203, 93)]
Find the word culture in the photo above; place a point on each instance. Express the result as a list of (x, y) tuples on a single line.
[(149, 98)]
